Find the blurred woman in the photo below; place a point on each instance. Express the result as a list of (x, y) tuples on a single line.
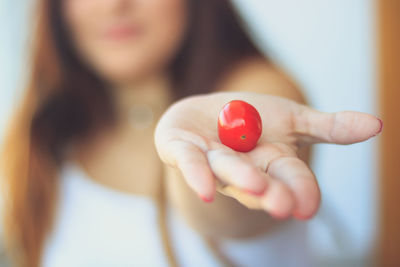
[(116, 86)]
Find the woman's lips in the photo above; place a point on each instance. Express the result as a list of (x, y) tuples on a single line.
[(122, 32)]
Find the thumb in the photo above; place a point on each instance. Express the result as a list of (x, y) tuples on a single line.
[(342, 127)]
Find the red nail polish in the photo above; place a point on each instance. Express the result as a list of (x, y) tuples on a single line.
[(380, 129), (250, 191), (301, 217), (206, 199)]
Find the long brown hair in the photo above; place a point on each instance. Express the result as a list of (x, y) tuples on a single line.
[(64, 102)]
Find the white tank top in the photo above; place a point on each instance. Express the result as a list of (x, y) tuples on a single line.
[(98, 226)]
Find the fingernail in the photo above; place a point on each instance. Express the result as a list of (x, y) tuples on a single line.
[(206, 199), (301, 217), (278, 216), (250, 191), (380, 128)]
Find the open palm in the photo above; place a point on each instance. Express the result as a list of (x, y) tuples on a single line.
[(269, 177)]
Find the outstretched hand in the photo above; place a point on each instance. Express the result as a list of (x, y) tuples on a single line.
[(269, 177)]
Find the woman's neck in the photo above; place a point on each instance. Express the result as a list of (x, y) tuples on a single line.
[(120, 157), (153, 92)]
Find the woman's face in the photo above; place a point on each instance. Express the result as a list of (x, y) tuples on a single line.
[(126, 40)]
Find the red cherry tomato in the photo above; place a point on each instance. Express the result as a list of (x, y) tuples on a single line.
[(239, 126)]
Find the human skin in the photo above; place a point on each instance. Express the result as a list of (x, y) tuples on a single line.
[(126, 42), (277, 167), (129, 44)]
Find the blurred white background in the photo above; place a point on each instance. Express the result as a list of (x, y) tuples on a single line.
[(328, 47)]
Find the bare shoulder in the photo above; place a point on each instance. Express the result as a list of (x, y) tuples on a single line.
[(259, 75)]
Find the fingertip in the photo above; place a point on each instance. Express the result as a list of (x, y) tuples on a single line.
[(308, 198), (207, 199), (278, 201), (309, 208), (354, 126), (199, 177), (306, 214), (280, 214), (207, 191), (207, 194), (303, 217), (341, 127), (380, 127)]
